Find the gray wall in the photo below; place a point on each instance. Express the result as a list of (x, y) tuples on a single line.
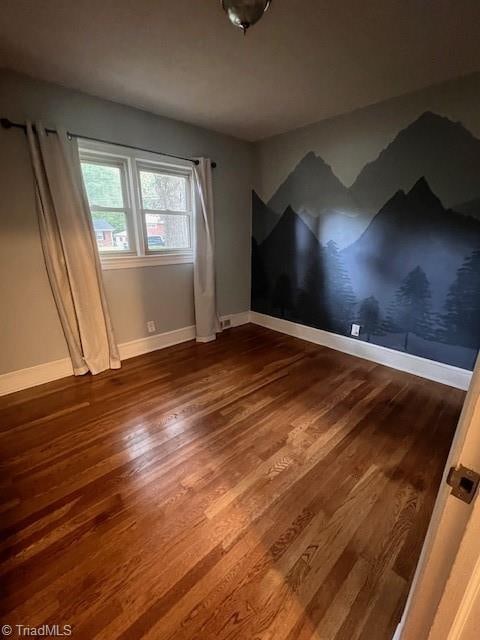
[(349, 141), (30, 332)]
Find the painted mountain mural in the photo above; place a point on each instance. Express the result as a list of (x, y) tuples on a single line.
[(445, 152), (398, 252), (264, 220), (321, 200)]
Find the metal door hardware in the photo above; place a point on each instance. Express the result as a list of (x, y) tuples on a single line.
[(464, 483)]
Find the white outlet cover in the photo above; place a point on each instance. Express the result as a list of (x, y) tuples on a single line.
[(151, 326), (355, 330)]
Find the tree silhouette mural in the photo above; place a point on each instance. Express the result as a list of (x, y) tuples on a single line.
[(369, 317), (259, 276), (410, 311), (337, 294), (308, 308), (461, 322), (413, 210), (282, 297)]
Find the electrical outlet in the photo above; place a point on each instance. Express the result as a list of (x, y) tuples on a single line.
[(355, 330), (151, 326)]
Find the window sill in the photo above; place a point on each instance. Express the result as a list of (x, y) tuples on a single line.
[(132, 262)]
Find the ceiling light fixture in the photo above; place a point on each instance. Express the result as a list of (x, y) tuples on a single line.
[(245, 13)]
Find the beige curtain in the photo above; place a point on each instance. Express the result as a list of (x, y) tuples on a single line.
[(206, 318), (70, 251)]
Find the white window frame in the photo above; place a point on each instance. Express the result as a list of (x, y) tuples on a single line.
[(161, 168), (132, 161)]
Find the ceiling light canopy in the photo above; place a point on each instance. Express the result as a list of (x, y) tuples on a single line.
[(245, 13)]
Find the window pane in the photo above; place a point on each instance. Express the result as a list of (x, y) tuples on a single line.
[(163, 191), (111, 230), (103, 184), (167, 232)]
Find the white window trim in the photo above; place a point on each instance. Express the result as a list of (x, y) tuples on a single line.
[(139, 256), (131, 262)]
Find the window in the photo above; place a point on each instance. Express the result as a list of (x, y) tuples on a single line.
[(141, 206), (106, 192), (165, 200)]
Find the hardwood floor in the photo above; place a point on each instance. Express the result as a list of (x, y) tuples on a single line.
[(258, 487)]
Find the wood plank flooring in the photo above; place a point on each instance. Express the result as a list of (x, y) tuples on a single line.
[(258, 487)]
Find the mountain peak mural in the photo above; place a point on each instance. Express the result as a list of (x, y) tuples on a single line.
[(445, 152), (398, 252)]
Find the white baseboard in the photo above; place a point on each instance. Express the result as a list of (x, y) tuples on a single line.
[(33, 376), (157, 341), (437, 371), (39, 374), (236, 319), (444, 373)]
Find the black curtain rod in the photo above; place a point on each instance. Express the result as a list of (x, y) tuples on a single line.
[(8, 124)]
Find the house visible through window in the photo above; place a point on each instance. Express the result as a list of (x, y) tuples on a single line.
[(141, 208)]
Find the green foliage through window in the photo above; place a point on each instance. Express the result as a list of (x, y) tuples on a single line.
[(103, 184), (163, 191)]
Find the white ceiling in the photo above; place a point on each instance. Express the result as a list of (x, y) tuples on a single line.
[(304, 61)]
